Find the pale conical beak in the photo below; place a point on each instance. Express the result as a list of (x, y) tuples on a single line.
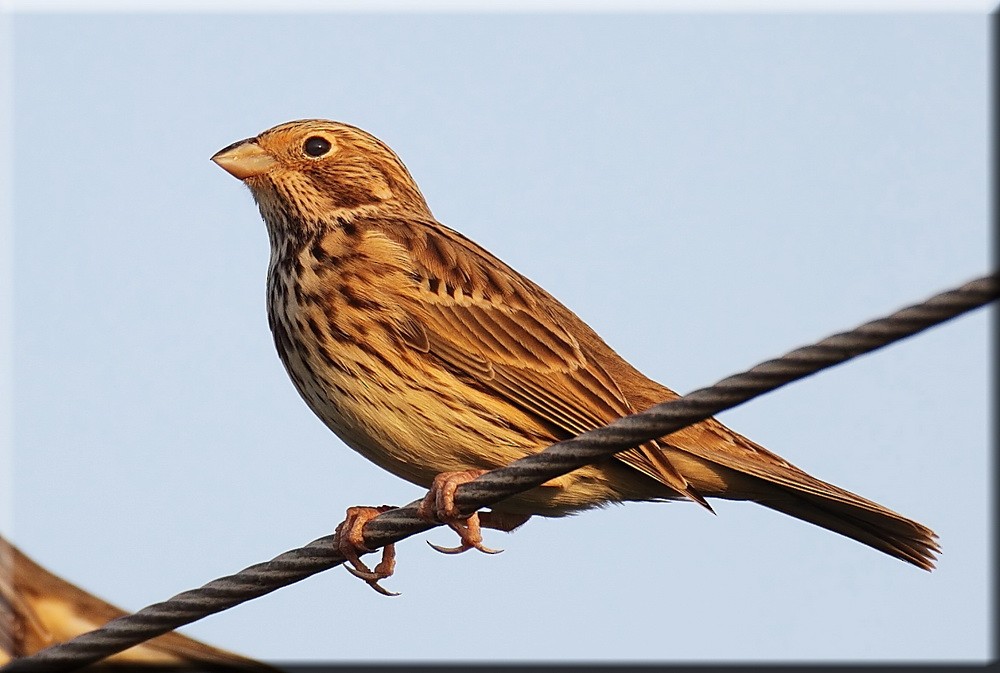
[(244, 159)]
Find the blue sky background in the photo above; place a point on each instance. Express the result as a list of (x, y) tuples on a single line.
[(706, 190)]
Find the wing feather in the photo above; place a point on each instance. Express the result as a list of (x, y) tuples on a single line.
[(494, 328)]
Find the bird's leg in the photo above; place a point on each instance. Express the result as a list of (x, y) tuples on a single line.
[(438, 506), (349, 538)]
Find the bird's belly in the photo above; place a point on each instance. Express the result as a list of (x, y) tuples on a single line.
[(401, 415), (416, 419), (417, 434)]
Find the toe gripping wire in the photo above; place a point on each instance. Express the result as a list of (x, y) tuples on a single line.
[(521, 475)]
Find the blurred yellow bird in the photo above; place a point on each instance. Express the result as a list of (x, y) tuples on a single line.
[(39, 609)]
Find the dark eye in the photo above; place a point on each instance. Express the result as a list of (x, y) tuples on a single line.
[(316, 146)]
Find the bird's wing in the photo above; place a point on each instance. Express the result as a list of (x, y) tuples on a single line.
[(497, 330)]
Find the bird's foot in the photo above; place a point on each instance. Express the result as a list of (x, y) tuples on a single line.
[(438, 506), (349, 538)]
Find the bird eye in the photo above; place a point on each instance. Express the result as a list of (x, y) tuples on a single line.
[(316, 146)]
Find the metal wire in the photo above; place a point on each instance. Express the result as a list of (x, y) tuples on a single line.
[(395, 525)]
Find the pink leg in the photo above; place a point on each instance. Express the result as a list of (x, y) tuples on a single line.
[(350, 542), (439, 506)]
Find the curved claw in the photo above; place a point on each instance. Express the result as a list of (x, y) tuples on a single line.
[(366, 574), (371, 579), (470, 534), (463, 548), (447, 550)]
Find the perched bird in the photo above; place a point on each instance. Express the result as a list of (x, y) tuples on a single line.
[(437, 361), (39, 609)]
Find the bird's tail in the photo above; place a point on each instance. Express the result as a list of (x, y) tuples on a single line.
[(866, 522), (744, 470)]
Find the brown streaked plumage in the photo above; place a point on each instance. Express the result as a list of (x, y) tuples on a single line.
[(429, 355), (39, 609)]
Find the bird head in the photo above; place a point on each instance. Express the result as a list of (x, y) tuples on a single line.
[(308, 172)]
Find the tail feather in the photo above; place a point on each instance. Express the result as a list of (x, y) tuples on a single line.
[(739, 469), (885, 530)]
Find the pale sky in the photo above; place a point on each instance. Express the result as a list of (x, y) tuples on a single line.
[(706, 190)]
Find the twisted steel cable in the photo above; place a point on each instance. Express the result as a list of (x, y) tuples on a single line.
[(521, 475)]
